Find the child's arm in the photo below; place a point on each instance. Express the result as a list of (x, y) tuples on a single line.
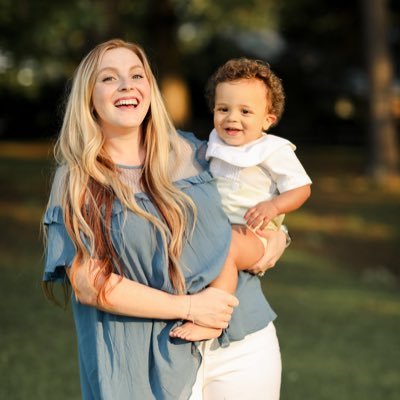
[(263, 212)]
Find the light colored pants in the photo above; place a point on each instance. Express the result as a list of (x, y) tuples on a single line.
[(249, 369)]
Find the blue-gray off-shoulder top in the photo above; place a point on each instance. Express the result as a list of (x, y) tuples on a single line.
[(124, 357)]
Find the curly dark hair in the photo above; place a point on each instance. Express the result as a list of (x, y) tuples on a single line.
[(246, 68)]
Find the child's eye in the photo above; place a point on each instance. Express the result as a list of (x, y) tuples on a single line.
[(245, 111), (222, 109)]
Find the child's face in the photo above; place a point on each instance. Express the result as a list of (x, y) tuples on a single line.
[(241, 111)]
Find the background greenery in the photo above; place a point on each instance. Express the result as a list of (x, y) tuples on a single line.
[(318, 49), (335, 289)]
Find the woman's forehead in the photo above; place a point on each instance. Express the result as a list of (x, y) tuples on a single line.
[(119, 57)]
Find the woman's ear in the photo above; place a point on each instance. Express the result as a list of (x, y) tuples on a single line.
[(93, 111)]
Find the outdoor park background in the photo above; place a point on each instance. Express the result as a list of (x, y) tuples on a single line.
[(336, 289)]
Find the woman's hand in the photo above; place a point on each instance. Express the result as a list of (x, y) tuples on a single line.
[(211, 307), (275, 247)]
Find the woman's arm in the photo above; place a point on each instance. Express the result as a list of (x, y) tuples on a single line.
[(211, 307)]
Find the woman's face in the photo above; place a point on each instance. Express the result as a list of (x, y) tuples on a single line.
[(121, 94)]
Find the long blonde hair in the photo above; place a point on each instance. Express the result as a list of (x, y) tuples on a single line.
[(92, 183)]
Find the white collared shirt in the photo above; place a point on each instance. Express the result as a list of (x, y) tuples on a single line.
[(254, 172)]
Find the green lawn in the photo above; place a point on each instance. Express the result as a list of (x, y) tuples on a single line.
[(335, 289)]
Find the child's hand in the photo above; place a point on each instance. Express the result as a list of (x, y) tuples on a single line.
[(261, 214)]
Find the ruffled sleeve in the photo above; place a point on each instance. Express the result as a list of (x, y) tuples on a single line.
[(60, 250), (200, 147)]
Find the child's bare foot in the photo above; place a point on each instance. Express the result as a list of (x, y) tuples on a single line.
[(192, 332)]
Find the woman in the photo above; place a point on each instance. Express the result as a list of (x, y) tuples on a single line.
[(135, 222)]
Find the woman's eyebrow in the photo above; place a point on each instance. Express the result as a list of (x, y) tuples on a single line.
[(106, 69), (113, 69)]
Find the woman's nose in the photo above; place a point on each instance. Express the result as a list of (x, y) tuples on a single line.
[(126, 84)]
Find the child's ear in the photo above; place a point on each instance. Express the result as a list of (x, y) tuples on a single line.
[(270, 120)]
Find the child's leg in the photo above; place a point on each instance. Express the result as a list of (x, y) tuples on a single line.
[(245, 250)]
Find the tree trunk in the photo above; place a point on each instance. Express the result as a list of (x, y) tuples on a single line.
[(383, 146), (163, 23)]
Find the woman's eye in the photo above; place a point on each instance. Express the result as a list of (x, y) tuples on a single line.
[(107, 79), (137, 76), (222, 109)]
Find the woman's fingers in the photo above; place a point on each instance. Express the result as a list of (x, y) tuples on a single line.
[(213, 307), (276, 244)]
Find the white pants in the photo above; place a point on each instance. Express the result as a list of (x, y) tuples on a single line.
[(249, 369)]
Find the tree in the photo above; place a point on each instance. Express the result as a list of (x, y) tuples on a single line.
[(382, 132), (313, 46)]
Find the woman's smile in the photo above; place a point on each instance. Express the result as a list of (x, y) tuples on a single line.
[(127, 103)]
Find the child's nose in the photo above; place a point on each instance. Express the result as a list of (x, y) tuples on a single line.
[(232, 116)]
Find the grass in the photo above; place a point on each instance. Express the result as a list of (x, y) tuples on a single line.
[(335, 290), (37, 344), (338, 334)]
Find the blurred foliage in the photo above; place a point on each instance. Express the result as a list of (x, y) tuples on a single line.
[(315, 47)]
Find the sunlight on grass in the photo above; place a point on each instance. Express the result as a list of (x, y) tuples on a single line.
[(334, 184), (384, 307), (340, 224), (359, 185), (21, 212), (26, 150)]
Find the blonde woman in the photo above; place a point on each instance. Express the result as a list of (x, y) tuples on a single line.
[(135, 226)]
